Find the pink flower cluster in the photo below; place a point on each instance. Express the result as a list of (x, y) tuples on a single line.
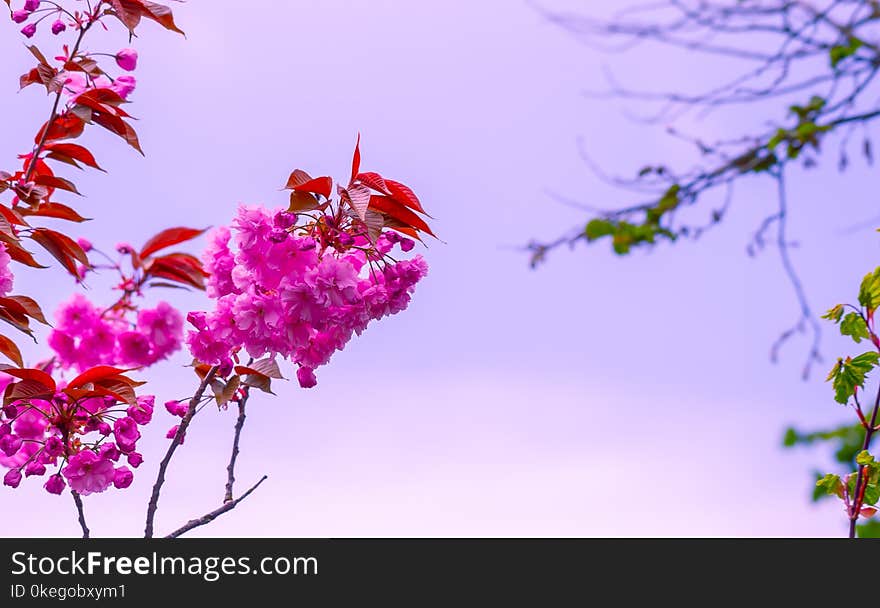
[(78, 82), (84, 442), (282, 292), (85, 336), (6, 277)]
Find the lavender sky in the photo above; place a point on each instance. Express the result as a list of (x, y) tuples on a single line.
[(596, 396)]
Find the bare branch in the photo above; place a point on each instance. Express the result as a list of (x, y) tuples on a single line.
[(82, 516), (209, 517), (176, 441)]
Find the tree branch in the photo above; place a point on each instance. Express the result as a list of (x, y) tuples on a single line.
[(239, 424), (82, 517), (178, 438), (209, 517)]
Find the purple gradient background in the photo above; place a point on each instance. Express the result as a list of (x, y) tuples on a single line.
[(597, 396)]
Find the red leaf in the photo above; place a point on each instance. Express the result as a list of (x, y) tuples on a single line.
[(404, 195), (297, 178), (51, 181), (356, 161), (319, 185), (374, 181), (162, 15), (31, 308), (169, 237), (62, 247), (66, 126), (10, 349), (56, 210), (75, 152), (95, 374), (178, 267), (36, 375), (358, 198), (392, 208)]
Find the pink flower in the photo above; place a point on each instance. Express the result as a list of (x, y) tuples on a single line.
[(58, 27), (127, 59), (124, 85), (87, 473), (6, 277), (142, 413), (172, 433), (12, 478), (29, 30), (109, 451), (55, 484), (10, 444), (134, 349), (20, 16), (163, 327), (31, 5), (34, 468), (85, 244), (176, 408), (306, 377), (122, 478), (126, 433), (135, 459)]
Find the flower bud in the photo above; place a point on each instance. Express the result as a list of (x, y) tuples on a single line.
[(29, 30), (12, 478), (31, 5), (58, 27), (55, 484), (306, 377), (20, 16), (127, 59)]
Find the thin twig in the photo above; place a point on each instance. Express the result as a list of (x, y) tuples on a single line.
[(82, 516), (230, 469), (178, 438), (209, 517)]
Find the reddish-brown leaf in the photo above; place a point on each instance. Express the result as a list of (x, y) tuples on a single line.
[(65, 126), (319, 185), (62, 247), (404, 195), (10, 349), (374, 181), (95, 374), (25, 390), (168, 238), (356, 161), (31, 308), (302, 201), (297, 178), (75, 152), (162, 15), (394, 209), (55, 182), (56, 210), (358, 198), (35, 375)]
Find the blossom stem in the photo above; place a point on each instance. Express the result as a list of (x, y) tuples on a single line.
[(239, 424), (82, 516), (861, 480), (35, 155), (176, 441)]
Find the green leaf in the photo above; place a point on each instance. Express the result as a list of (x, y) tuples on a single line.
[(839, 52), (834, 314), (598, 228), (869, 529), (854, 325), (831, 484), (869, 291), (849, 373), (864, 457)]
